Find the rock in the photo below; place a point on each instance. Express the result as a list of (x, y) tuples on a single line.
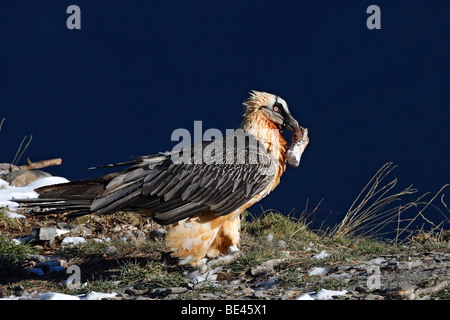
[(317, 271), (110, 251), (65, 225), (44, 234), (270, 283), (85, 231), (159, 233), (208, 296), (139, 235), (177, 290), (259, 294), (281, 244), (373, 297), (266, 267), (244, 290), (378, 260), (80, 230), (36, 258), (20, 178), (132, 291), (269, 237), (158, 293)]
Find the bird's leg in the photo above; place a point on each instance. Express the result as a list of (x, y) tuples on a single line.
[(227, 239), (205, 235)]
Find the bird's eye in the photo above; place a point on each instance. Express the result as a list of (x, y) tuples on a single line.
[(275, 108)]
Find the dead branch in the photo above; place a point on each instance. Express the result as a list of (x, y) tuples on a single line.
[(31, 165), (40, 164)]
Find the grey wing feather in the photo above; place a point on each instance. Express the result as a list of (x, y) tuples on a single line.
[(170, 191)]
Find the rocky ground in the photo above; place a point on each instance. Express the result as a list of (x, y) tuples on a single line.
[(381, 278), (124, 256)]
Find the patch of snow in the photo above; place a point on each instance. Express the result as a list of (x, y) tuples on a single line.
[(14, 215), (378, 260), (61, 232), (310, 246), (90, 296), (9, 193), (73, 241), (57, 296), (322, 255), (98, 295), (322, 294), (100, 240), (317, 271), (325, 294), (305, 296), (46, 181)]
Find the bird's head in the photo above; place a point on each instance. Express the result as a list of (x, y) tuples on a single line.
[(273, 108)]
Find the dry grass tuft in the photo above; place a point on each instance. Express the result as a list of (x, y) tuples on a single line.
[(374, 209)]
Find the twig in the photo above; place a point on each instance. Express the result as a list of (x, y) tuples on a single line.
[(17, 156), (40, 164), (31, 165), (421, 211)]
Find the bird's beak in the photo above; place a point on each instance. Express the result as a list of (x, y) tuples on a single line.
[(291, 124)]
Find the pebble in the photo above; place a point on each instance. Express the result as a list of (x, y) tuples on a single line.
[(404, 282), (266, 267), (270, 283), (280, 244), (317, 271), (36, 258), (44, 234), (178, 290), (110, 251), (159, 233)]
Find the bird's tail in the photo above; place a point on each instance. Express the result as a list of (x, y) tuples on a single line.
[(73, 198), (103, 195)]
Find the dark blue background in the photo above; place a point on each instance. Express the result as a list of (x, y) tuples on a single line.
[(137, 70)]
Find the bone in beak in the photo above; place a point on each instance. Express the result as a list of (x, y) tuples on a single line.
[(299, 142)]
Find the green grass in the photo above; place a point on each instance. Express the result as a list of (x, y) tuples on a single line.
[(92, 249), (140, 262), (280, 226), (6, 218), (256, 249), (12, 257), (152, 273)]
